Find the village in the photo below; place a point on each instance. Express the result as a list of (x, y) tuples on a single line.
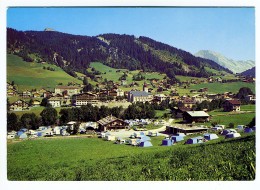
[(131, 131)]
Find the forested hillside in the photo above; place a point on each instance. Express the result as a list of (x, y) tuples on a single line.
[(73, 53)]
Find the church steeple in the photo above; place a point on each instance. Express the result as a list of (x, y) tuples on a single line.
[(145, 87)]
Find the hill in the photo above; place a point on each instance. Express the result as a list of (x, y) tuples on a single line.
[(74, 53), (250, 72), (33, 75), (234, 66)]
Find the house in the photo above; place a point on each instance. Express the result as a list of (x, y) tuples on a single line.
[(19, 105), (47, 94), (26, 94), (69, 90), (195, 116), (203, 90), (82, 99), (232, 105), (160, 97), (199, 98), (36, 95), (55, 102), (123, 82), (119, 92), (250, 98), (139, 96), (188, 103), (36, 103), (112, 123)]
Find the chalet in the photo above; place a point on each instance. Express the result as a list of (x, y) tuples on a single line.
[(36, 95), (11, 92), (26, 94), (55, 102), (42, 91), (193, 91), (123, 82), (219, 79), (70, 90), (112, 123), (139, 96), (119, 92), (195, 116), (19, 105), (47, 94), (188, 103), (199, 98), (232, 105), (250, 98), (160, 97), (83, 99), (36, 103), (178, 112), (203, 90), (112, 93)]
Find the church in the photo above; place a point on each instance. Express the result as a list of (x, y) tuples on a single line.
[(140, 96)]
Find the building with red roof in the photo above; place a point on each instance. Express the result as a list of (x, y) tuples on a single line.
[(232, 105)]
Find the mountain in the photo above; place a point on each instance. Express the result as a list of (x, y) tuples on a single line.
[(234, 66), (250, 72), (73, 53)]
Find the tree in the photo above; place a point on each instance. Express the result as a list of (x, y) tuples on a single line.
[(252, 123), (231, 125), (49, 116), (8, 105), (30, 121), (30, 103), (45, 102), (243, 92), (12, 122)]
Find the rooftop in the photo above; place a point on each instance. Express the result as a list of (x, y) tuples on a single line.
[(140, 93), (197, 113)]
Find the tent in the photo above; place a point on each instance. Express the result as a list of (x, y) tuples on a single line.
[(39, 134), (248, 130), (23, 130), (19, 133), (144, 138), (240, 127), (23, 136), (253, 128), (220, 126), (167, 142), (227, 131), (210, 136), (145, 144), (195, 140), (42, 128), (232, 135), (177, 138), (180, 134)]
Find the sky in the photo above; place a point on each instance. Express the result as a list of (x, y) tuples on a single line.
[(229, 31)]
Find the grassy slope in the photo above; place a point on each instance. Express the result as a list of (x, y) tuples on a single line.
[(32, 75), (95, 159)]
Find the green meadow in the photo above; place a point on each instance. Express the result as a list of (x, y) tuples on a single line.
[(32, 75), (93, 159)]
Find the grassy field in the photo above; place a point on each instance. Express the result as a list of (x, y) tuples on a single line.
[(220, 88), (238, 119), (97, 160), (159, 113), (32, 75)]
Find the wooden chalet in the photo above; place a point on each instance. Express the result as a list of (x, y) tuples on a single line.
[(112, 123), (195, 116), (232, 105)]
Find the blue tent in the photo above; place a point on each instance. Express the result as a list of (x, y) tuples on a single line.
[(23, 130), (19, 133), (145, 144), (23, 136), (248, 130), (39, 134), (177, 138), (232, 135), (210, 136), (167, 142), (195, 140), (240, 127), (227, 131), (253, 128)]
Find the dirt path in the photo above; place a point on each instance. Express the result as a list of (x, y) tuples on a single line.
[(234, 113)]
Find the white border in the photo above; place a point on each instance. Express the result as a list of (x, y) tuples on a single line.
[(10, 185)]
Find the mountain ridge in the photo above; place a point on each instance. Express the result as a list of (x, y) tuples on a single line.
[(233, 65), (73, 53)]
